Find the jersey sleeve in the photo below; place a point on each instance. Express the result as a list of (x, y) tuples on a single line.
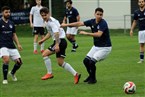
[(135, 17), (32, 11), (88, 23), (14, 28), (103, 26), (76, 12)]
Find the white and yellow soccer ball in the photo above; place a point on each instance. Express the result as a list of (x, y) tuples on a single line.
[(129, 87)]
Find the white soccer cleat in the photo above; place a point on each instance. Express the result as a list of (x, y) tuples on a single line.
[(140, 61), (14, 78), (5, 82)]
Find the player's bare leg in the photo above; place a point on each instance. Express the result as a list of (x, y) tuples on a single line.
[(35, 44)]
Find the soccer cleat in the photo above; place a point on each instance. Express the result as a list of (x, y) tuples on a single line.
[(47, 76), (35, 52), (92, 81), (14, 78), (140, 61), (42, 51), (74, 48), (87, 79), (5, 82), (77, 78)]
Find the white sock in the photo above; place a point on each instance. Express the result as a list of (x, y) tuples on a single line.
[(42, 46), (47, 62), (35, 46), (69, 68)]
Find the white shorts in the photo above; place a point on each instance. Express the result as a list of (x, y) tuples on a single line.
[(12, 53), (99, 53), (72, 30), (141, 36)]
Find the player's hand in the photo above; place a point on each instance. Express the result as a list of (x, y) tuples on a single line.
[(40, 42), (63, 25), (31, 25), (131, 33), (83, 32), (20, 47), (56, 48)]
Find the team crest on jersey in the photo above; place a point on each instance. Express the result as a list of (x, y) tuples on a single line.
[(70, 12), (10, 26), (3, 26), (138, 14), (98, 27), (92, 26)]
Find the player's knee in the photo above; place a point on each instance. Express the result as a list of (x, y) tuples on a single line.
[(6, 60), (60, 63), (87, 60), (19, 61)]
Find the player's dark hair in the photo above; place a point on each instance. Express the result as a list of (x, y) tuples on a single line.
[(99, 9), (5, 8), (44, 10), (70, 1)]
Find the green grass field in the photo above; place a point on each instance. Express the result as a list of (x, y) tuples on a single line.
[(120, 66)]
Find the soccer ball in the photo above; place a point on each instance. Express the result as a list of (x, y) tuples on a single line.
[(129, 87)]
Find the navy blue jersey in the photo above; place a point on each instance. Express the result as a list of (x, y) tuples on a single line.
[(6, 34), (104, 40), (71, 14), (140, 16)]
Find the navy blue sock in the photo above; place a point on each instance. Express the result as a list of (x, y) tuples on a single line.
[(142, 55), (5, 71), (15, 68), (93, 69)]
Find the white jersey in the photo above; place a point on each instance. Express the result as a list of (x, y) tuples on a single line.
[(37, 19), (53, 26)]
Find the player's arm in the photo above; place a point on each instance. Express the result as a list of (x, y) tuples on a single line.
[(78, 18), (47, 36), (57, 41), (75, 24), (132, 27), (96, 34), (30, 20), (15, 38), (64, 19)]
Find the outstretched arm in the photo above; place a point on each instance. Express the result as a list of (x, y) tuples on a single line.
[(75, 24), (96, 34)]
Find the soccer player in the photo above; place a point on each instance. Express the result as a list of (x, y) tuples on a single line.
[(139, 16), (36, 22), (102, 43), (72, 15), (7, 47), (58, 47)]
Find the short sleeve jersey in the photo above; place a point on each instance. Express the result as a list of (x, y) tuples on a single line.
[(6, 34), (37, 19), (53, 26), (71, 14), (104, 40), (140, 16)]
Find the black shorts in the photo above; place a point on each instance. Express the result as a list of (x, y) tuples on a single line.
[(62, 48), (38, 30)]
